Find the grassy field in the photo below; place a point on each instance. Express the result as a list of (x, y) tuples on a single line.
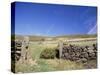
[(43, 65), (83, 43)]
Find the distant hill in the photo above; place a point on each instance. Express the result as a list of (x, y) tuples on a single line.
[(38, 38), (78, 36)]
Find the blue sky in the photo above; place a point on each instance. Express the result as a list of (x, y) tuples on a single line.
[(54, 20)]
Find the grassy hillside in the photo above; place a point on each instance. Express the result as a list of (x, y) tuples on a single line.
[(40, 43), (42, 65)]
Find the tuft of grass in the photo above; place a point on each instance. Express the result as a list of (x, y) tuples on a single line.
[(48, 53)]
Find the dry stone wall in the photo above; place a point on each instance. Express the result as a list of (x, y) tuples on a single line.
[(79, 53), (20, 50), (16, 50)]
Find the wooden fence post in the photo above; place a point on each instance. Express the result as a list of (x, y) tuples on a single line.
[(60, 49)]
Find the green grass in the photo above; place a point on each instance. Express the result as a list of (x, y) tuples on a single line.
[(89, 43), (35, 50), (53, 65), (43, 65)]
